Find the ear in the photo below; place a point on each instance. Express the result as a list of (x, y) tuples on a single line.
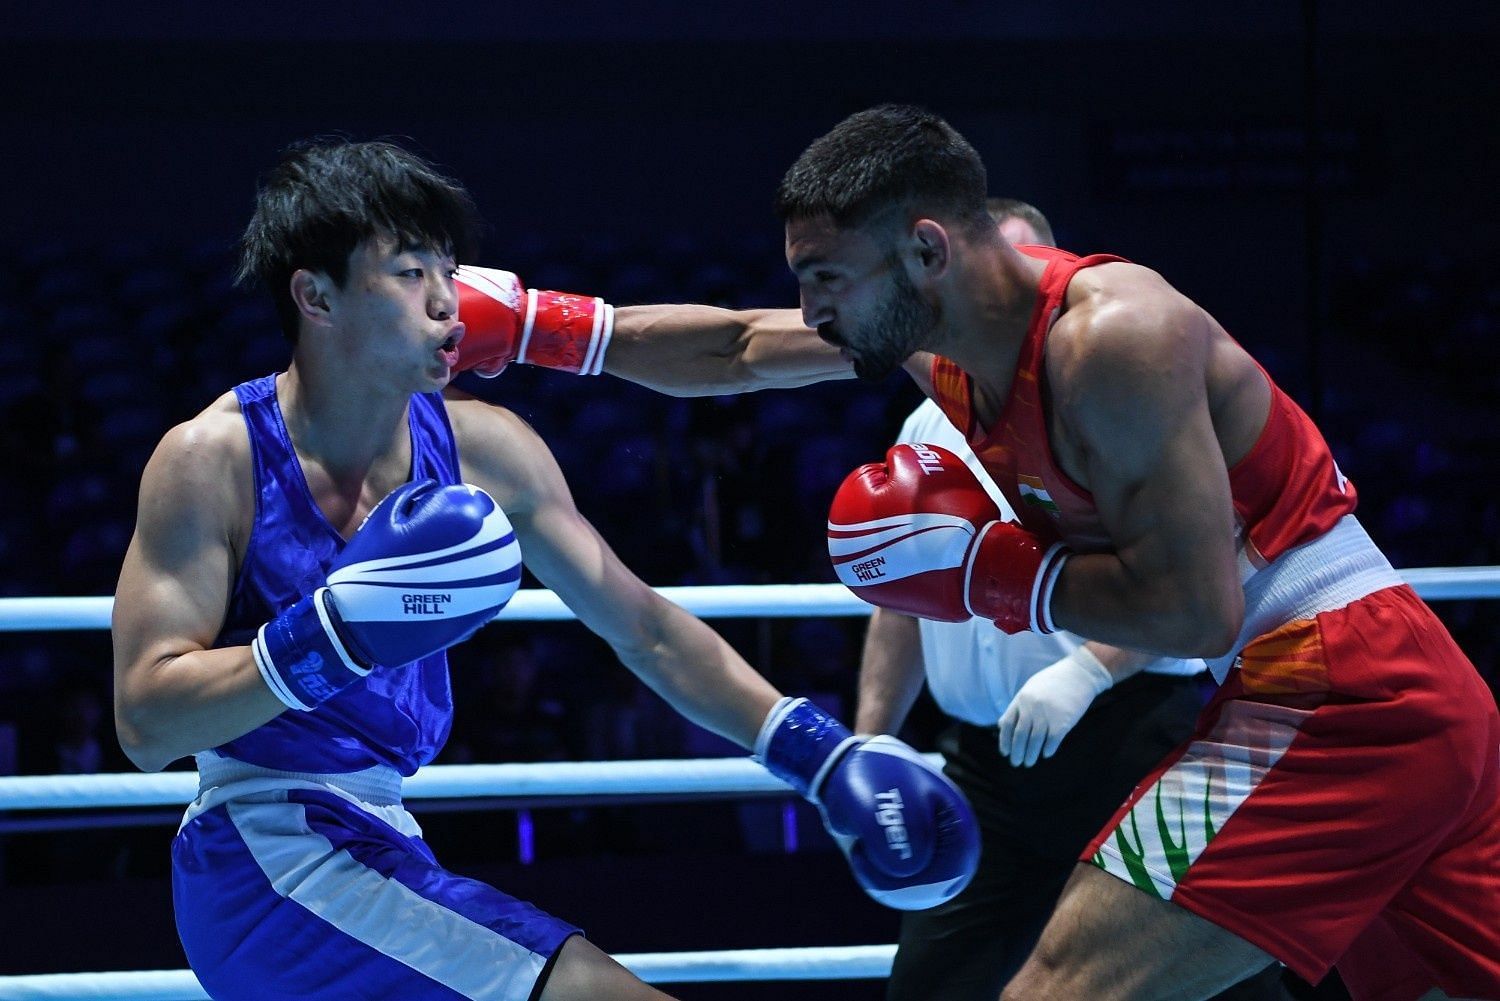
[(932, 246), (309, 291)]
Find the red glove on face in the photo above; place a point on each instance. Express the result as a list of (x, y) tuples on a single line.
[(504, 322), (918, 534)]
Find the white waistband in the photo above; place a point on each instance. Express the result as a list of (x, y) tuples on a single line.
[(1338, 567), (222, 778)]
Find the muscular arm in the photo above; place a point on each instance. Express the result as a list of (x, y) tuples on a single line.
[(677, 655), (706, 351), (690, 666), (173, 695), (891, 672), (1131, 389)]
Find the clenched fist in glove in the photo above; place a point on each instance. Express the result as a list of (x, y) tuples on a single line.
[(918, 534), (429, 565), (505, 322), (910, 836)]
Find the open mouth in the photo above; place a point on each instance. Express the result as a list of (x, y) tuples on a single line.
[(448, 351)]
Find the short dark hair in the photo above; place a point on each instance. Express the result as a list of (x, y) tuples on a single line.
[(1001, 209), (326, 196), (889, 155)]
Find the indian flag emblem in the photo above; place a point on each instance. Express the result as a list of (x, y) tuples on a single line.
[(1035, 495)]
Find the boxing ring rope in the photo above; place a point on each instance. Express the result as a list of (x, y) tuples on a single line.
[(520, 784), (851, 962), (734, 601), (511, 784)]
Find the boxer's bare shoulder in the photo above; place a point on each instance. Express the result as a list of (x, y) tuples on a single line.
[(1120, 311), (1126, 331), (1124, 337), (501, 452), (204, 465)]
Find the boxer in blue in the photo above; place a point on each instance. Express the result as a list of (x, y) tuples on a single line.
[(306, 550)]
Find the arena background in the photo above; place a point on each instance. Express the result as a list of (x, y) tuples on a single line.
[(1319, 175)]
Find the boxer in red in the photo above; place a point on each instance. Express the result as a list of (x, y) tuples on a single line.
[(1339, 803)]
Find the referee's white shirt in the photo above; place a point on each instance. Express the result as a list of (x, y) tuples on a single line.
[(974, 669)]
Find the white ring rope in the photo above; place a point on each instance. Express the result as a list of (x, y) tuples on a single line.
[(529, 605), (854, 962), (619, 779), (711, 602), (729, 776)]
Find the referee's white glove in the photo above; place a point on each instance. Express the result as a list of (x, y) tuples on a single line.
[(1050, 704)]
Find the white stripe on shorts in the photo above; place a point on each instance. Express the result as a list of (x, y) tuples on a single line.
[(302, 865), (1156, 843)]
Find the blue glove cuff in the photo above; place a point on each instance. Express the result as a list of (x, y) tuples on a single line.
[(800, 743), (300, 656)]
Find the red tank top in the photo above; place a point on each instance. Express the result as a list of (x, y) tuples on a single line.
[(1286, 491)]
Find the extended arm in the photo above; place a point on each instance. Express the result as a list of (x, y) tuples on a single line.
[(675, 654), (690, 666), (703, 350), (683, 350)]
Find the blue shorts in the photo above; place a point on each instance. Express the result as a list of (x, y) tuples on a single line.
[(306, 893)]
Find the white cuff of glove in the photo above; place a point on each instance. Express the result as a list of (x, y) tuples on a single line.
[(604, 329), (592, 360)]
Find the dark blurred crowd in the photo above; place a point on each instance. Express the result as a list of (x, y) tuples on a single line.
[(105, 348)]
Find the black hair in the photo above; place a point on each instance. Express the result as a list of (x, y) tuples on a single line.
[(885, 156), (327, 196)]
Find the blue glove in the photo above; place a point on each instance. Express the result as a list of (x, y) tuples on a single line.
[(428, 567), (910, 836)]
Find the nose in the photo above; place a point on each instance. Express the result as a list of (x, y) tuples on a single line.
[(442, 303), (816, 309)]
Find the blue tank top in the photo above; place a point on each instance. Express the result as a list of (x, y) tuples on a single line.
[(395, 717)]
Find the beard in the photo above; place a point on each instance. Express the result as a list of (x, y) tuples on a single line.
[(903, 322)]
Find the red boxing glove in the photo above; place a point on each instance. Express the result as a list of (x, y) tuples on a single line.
[(504, 322), (918, 534)]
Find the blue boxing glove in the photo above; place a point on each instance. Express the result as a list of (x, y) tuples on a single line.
[(910, 836), (428, 567)]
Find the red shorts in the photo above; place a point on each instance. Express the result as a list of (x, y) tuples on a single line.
[(1338, 803)]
